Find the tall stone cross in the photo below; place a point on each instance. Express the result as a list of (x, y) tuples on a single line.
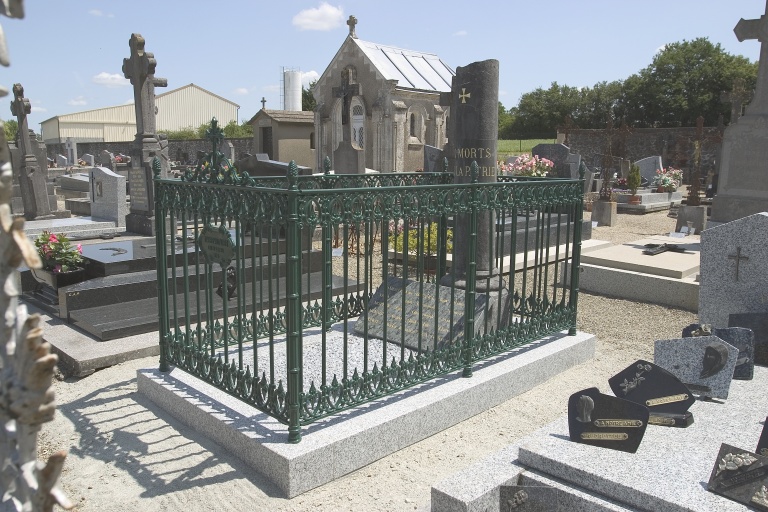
[(352, 21), (263, 102), (695, 187), (605, 189), (140, 70), (757, 29), (347, 90), (736, 97), (32, 180)]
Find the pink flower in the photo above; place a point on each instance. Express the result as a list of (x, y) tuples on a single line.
[(80, 248), (53, 238), (57, 268)]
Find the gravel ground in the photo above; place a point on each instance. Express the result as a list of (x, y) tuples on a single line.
[(127, 454)]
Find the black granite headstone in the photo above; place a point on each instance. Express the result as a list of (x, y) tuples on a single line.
[(647, 384), (741, 476), (762, 444), (758, 322), (741, 338), (606, 421)]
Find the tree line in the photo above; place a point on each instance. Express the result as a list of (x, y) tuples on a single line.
[(684, 81)]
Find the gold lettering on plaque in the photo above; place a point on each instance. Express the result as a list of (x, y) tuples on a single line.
[(618, 423), (666, 400), (660, 420), (605, 436)]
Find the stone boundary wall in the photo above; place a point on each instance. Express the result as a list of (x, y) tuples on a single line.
[(675, 145), (177, 149)]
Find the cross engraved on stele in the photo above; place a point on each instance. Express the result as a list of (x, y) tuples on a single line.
[(464, 95), (738, 257)]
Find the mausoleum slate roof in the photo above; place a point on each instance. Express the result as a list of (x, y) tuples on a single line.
[(411, 69), (286, 116)]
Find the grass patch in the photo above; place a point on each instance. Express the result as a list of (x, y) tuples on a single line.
[(512, 147)]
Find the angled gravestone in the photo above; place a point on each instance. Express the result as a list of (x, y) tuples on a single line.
[(432, 159), (61, 161), (648, 167), (559, 154), (108, 200), (740, 475), (734, 270), (762, 444), (89, 160), (758, 324), (704, 364), (741, 338), (606, 421), (647, 384)]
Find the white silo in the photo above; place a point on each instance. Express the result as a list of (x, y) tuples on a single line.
[(292, 89)]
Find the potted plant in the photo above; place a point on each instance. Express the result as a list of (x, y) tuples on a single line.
[(667, 180), (63, 263), (633, 181)]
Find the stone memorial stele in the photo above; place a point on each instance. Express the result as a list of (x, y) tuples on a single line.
[(741, 338), (758, 324), (741, 476), (762, 444), (89, 160), (108, 196), (734, 270), (433, 159), (647, 384), (742, 188), (559, 155), (606, 421), (648, 167), (704, 364)]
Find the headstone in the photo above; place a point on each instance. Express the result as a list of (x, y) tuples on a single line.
[(734, 270), (433, 159), (107, 160), (762, 444), (228, 150), (758, 324), (559, 154), (648, 167), (71, 151), (742, 188), (741, 338), (141, 217), (31, 177), (704, 364), (606, 421), (472, 137), (89, 160), (647, 384), (108, 196), (61, 161), (421, 296), (348, 158), (740, 475)]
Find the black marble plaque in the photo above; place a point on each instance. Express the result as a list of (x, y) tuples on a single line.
[(740, 337), (758, 322), (740, 475), (762, 444), (606, 421), (651, 386)]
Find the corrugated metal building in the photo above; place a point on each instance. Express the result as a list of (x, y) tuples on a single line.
[(188, 106)]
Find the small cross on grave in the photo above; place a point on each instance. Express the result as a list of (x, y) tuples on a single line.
[(464, 95), (738, 257), (139, 68), (736, 97), (757, 29), (352, 21)]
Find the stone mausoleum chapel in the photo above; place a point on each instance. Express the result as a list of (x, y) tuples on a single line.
[(378, 106)]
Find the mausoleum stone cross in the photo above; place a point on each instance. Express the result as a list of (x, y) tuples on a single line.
[(347, 90), (263, 102), (757, 29), (20, 107), (352, 21), (140, 70)]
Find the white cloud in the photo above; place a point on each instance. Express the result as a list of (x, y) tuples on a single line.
[(660, 49), (308, 77), (39, 109), (271, 88), (80, 100), (460, 33), (242, 91), (98, 13), (325, 17), (110, 80)]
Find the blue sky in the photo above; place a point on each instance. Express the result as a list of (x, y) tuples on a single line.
[(68, 55)]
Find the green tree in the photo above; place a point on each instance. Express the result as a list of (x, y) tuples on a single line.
[(11, 128), (184, 133), (308, 102), (540, 112), (235, 131), (683, 82), (506, 121)]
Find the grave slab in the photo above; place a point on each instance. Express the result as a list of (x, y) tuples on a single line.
[(667, 264), (383, 427)]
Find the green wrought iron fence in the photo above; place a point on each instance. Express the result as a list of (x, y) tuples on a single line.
[(308, 295)]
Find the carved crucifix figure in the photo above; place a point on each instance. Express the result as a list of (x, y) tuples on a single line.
[(140, 70), (695, 187), (32, 180), (757, 29), (347, 90)]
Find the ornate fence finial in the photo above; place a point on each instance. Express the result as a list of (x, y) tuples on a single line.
[(327, 165)]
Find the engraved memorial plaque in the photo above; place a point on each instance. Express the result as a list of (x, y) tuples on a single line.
[(705, 364), (741, 338), (647, 384), (741, 476), (529, 498), (606, 421)]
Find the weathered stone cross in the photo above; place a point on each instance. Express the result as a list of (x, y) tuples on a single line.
[(757, 29), (352, 21), (140, 70), (20, 107), (738, 257), (736, 97), (263, 102), (464, 95)]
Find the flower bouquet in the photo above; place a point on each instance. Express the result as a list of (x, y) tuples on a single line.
[(668, 179), (58, 254)]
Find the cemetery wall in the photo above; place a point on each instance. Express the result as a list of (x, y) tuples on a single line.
[(181, 150), (675, 145)]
